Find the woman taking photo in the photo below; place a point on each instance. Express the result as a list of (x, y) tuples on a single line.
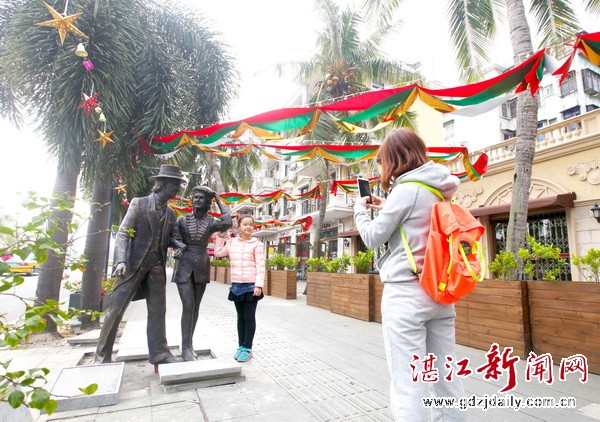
[(413, 323)]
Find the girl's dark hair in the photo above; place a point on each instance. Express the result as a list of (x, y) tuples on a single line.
[(402, 151), (246, 216)]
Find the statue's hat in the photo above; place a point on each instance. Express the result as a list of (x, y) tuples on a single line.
[(169, 171)]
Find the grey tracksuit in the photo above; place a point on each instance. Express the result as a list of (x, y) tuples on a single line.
[(413, 323)]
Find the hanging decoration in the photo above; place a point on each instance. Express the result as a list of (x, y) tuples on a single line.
[(350, 185), (305, 223), (589, 45), (122, 189), (89, 102), (389, 103), (105, 138), (64, 24)]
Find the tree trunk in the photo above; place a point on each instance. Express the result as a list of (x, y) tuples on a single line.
[(316, 248), (51, 271), (527, 109), (96, 242), (214, 167)]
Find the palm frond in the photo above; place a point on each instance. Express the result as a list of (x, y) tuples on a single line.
[(556, 21), (472, 25)]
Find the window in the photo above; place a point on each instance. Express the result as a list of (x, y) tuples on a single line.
[(547, 229), (449, 129), (509, 109), (552, 121), (548, 90), (541, 124), (569, 85), (285, 209), (571, 112), (591, 82), (507, 134)]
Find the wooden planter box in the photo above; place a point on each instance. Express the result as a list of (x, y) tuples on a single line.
[(350, 295), (497, 311), (565, 320), (75, 300), (221, 274), (213, 273), (317, 290), (282, 284), (375, 300)]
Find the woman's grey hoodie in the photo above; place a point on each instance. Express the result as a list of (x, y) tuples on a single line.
[(408, 205)]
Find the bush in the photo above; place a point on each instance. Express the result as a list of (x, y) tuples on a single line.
[(223, 262), (315, 264), (589, 265), (537, 256), (337, 265), (362, 261), (504, 266), (281, 262)]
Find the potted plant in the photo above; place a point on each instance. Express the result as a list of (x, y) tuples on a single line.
[(317, 283), (74, 287), (497, 310), (565, 315), (362, 261), (222, 267), (282, 276)]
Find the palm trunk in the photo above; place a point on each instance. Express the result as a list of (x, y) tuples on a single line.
[(527, 109), (214, 167), (51, 271), (316, 249), (98, 236)]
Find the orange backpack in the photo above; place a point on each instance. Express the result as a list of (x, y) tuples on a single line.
[(454, 260)]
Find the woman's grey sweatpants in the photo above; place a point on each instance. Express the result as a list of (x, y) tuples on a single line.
[(414, 324)]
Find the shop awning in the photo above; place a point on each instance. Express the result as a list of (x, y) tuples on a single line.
[(348, 233), (556, 202)]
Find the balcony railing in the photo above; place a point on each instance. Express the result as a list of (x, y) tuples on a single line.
[(551, 136)]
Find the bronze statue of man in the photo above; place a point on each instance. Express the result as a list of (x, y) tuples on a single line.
[(148, 229), (192, 272)]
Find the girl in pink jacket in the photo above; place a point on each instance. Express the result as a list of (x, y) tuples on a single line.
[(247, 279)]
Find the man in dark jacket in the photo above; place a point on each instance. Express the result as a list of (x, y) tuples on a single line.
[(146, 232), (193, 268)]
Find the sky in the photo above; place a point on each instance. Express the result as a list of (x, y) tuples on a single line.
[(261, 33)]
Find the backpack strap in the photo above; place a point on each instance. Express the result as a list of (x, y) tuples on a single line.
[(409, 254)]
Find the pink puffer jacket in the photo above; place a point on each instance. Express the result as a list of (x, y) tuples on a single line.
[(247, 259)]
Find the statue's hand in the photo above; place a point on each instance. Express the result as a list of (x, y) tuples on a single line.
[(120, 270), (178, 252)]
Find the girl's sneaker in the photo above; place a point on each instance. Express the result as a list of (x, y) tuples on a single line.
[(245, 355), (238, 352)]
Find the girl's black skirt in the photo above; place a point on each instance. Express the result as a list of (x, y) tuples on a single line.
[(246, 297)]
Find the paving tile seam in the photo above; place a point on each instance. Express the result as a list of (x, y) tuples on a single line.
[(305, 388)]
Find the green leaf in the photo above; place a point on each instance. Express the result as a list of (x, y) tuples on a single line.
[(39, 399), (16, 399), (27, 381), (13, 339), (51, 406), (90, 389), (14, 375), (6, 230)]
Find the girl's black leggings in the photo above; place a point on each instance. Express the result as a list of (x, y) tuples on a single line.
[(246, 322)]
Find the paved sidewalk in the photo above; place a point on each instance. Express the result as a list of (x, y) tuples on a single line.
[(309, 365)]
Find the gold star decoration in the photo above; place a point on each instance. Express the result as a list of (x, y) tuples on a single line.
[(121, 189), (64, 24), (105, 138)]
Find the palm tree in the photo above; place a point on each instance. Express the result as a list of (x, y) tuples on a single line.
[(345, 65), (156, 70), (472, 25)]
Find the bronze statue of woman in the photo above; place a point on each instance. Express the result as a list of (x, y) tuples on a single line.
[(192, 272)]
